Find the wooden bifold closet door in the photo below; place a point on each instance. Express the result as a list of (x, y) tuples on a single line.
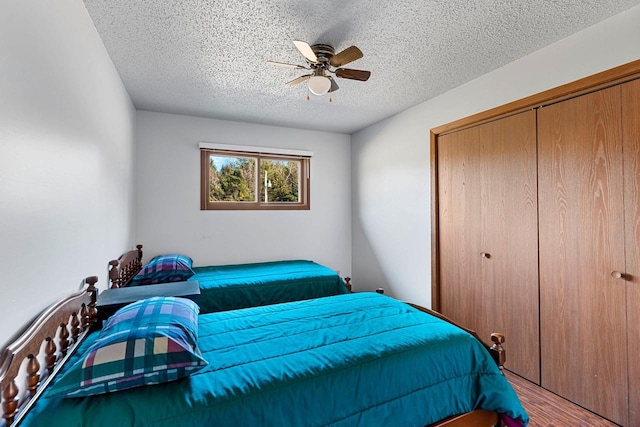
[(631, 151), (488, 226), (582, 252)]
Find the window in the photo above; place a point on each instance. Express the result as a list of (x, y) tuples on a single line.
[(237, 177)]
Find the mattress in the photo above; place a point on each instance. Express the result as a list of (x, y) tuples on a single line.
[(230, 287)]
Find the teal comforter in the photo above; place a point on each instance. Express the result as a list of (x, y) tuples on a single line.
[(349, 360), (229, 287)]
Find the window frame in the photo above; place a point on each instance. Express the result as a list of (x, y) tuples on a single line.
[(304, 187)]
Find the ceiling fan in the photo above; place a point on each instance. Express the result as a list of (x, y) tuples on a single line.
[(322, 61)]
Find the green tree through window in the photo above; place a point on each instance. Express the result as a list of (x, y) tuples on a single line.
[(280, 182), (231, 179)]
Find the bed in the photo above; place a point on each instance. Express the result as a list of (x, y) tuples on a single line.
[(347, 360), (230, 287)]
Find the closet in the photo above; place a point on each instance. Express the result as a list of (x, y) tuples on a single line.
[(537, 217)]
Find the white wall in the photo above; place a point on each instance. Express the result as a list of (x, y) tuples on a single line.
[(66, 146), (391, 170), (169, 218)]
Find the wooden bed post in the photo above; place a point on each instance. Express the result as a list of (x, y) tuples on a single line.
[(92, 312), (114, 274), (499, 355)]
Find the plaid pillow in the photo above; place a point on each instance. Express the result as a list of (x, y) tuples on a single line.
[(148, 342), (164, 269)]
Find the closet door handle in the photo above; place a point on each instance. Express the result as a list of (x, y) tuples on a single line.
[(485, 255), (617, 275)]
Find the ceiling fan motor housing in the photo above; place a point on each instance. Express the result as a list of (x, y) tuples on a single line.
[(324, 52)]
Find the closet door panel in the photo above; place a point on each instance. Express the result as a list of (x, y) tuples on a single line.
[(488, 241), (510, 238), (459, 226), (631, 149), (582, 311)]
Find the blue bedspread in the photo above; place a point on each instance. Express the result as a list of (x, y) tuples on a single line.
[(229, 287), (349, 360)]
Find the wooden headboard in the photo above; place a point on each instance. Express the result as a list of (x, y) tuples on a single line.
[(123, 269), (67, 322)]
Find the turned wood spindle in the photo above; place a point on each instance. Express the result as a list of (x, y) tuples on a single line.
[(10, 402), (50, 354), (33, 375), (64, 339), (75, 326), (127, 272)]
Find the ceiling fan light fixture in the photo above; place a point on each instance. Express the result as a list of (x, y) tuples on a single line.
[(319, 85)]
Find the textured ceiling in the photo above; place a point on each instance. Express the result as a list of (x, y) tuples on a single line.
[(208, 57)]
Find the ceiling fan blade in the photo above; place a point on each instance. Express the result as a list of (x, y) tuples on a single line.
[(350, 54), (298, 80), (334, 85), (348, 73), (284, 64), (306, 50)]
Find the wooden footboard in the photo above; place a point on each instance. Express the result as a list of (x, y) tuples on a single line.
[(477, 418), (59, 329), (123, 269)]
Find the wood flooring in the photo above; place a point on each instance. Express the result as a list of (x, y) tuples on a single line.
[(546, 409)]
